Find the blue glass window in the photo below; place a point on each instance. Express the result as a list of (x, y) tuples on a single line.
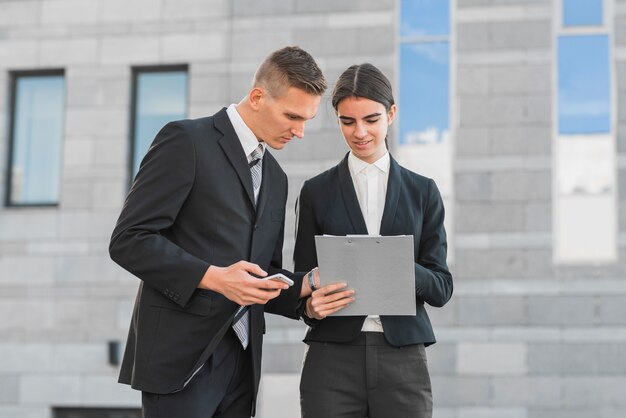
[(424, 100), (37, 137), (424, 17), (584, 85), (160, 97), (582, 12)]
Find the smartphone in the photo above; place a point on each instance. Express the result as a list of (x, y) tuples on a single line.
[(279, 277)]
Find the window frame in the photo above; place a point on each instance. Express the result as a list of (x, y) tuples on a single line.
[(136, 72), (14, 76)]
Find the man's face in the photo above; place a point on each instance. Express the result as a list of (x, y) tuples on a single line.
[(280, 119)]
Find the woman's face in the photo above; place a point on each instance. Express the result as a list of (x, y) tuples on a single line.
[(364, 124)]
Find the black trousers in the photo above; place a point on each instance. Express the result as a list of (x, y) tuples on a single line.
[(221, 389), (365, 378)]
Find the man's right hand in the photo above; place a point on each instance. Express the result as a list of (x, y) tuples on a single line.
[(236, 283)]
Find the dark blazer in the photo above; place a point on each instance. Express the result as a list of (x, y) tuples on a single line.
[(191, 206), (328, 204)]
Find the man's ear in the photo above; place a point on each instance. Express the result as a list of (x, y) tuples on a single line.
[(254, 97)]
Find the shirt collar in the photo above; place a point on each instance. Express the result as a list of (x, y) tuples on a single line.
[(357, 165), (248, 140)]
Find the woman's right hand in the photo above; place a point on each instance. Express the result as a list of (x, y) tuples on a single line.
[(328, 299)]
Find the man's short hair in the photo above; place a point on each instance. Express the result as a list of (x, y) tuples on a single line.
[(290, 66)]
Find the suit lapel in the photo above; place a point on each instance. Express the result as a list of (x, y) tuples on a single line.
[(391, 199), (349, 198), (234, 151)]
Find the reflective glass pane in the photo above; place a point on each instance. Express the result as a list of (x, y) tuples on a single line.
[(161, 97), (584, 86), (424, 93), (37, 139), (582, 12), (424, 17)]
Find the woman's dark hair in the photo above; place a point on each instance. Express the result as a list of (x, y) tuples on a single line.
[(364, 80)]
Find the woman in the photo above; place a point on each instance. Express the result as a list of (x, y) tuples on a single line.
[(359, 366)]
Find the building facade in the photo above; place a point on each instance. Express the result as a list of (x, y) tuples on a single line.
[(515, 107)]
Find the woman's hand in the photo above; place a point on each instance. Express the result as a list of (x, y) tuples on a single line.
[(328, 300)]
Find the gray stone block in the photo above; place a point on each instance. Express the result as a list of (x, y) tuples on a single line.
[(36, 271), (103, 389), (490, 412), (181, 47), (620, 31), (266, 8), (522, 186), (77, 194), (494, 217), (127, 50), (491, 358), (520, 79), (473, 187), (526, 391), (207, 88), (460, 391), (472, 142), (18, 53), (594, 391), (329, 6), (69, 12), (475, 3), (538, 217), (442, 359), (447, 315), (560, 358), (19, 14), (611, 310), (195, 9), (115, 11), (472, 37), (371, 40), (56, 389), (489, 263), (561, 310), (25, 411), (257, 45), (501, 310), (63, 53), (612, 358), (9, 389), (473, 81), (283, 358), (528, 34), (521, 139)]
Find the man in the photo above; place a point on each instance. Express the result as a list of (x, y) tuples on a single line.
[(206, 215)]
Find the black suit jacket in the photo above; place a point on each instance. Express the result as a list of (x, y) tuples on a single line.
[(328, 205), (191, 206)]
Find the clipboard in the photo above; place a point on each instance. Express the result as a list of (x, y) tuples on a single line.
[(380, 269)]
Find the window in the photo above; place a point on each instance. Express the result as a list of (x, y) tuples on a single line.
[(159, 96), (36, 132), (424, 143), (584, 87), (582, 12), (584, 215)]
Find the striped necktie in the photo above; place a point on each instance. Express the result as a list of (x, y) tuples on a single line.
[(241, 323)]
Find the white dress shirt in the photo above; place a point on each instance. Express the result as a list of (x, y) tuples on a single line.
[(248, 140), (370, 184)]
